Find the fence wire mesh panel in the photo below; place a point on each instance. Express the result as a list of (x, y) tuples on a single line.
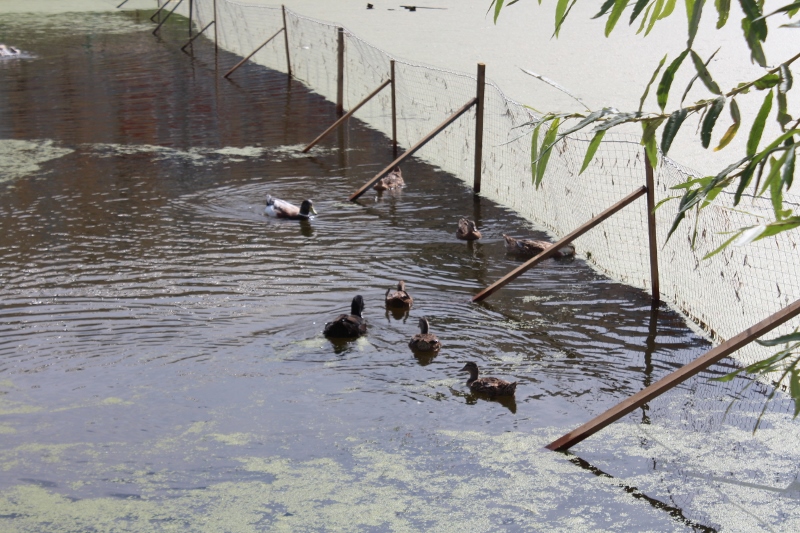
[(721, 296)]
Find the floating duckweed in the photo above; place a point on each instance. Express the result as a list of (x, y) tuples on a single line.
[(22, 158)]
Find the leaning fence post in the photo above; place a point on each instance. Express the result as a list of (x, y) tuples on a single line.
[(340, 73), (675, 378), (651, 226), (167, 17), (216, 33), (394, 110), (286, 42), (476, 186)]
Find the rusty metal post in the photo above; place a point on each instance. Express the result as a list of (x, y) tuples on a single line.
[(651, 227), (167, 17), (216, 32), (243, 61), (497, 285), (286, 42), (408, 153), (476, 185), (346, 116), (340, 72), (394, 109), (122, 4), (675, 378), (158, 12), (191, 10), (190, 41)]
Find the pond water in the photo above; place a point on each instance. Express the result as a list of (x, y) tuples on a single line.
[(162, 363)]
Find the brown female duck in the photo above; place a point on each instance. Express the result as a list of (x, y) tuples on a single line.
[(281, 209), (399, 299), (393, 180), (467, 231), (348, 326), (490, 386), (531, 248), (424, 341)]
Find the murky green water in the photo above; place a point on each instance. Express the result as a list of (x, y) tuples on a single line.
[(162, 364)]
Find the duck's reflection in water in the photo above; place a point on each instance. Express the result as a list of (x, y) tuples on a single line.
[(471, 398)]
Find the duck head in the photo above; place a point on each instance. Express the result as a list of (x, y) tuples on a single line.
[(307, 208), (357, 307), (424, 326), (472, 368)]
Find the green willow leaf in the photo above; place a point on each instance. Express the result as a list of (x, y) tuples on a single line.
[(783, 117), (723, 9), (498, 5), (704, 74), (671, 129), (788, 168), (730, 133), (669, 7), (637, 10), (644, 19), (654, 16), (711, 120), (753, 39), (616, 13), (752, 10), (598, 137), (767, 81), (694, 20), (608, 4), (775, 188), (561, 11), (662, 93), (722, 247), (758, 125), (547, 149), (744, 180), (783, 339), (535, 151), (790, 7), (650, 83)]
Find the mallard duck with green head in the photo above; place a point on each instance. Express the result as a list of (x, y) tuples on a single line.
[(424, 341), (467, 230), (348, 326), (282, 209), (490, 386), (532, 248), (399, 299), (393, 180)]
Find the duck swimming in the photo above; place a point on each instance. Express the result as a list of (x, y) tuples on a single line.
[(393, 180), (348, 326), (490, 386), (399, 299), (531, 248), (8, 51), (424, 341), (280, 209), (467, 231)]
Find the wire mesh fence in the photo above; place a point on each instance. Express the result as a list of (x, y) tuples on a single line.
[(721, 296)]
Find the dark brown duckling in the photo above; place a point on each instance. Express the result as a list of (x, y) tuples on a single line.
[(490, 386), (424, 341), (281, 209), (399, 299), (531, 248), (348, 326), (467, 231), (393, 180)]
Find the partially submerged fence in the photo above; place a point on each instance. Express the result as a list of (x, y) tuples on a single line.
[(722, 296)]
